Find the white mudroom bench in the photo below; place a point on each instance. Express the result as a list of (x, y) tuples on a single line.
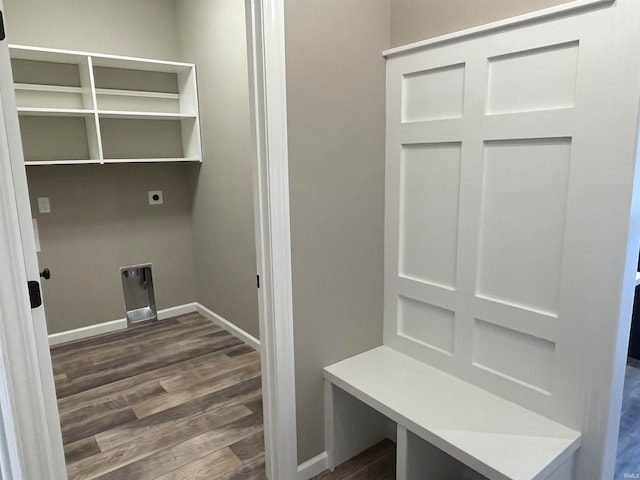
[(447, 429)]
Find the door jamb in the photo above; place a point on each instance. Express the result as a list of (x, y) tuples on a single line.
[(267, 85), (28, 446)]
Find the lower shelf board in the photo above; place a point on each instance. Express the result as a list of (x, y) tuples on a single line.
[(110, 160)]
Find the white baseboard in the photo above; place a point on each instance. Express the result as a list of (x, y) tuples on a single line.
[(312, 467), (84, 332), (112, 326), (177, 310), (228, 326)]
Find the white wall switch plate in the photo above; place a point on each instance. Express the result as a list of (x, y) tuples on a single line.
[(44, 206), (155, 197)]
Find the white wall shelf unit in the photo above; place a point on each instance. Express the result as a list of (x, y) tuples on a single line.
[(86, 108)]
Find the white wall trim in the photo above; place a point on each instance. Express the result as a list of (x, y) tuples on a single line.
[(538, 15), (114, 325), (268, 104), (228, 326), (165, 313), (30, 440), (88, 331), (312, 467)]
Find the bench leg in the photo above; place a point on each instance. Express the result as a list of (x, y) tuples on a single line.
[(350, 425)]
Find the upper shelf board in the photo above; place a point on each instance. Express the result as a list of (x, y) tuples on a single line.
[(98, 59)]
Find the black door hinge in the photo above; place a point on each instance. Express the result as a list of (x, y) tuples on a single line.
[(2, 32), (258, 280), (34, 293)]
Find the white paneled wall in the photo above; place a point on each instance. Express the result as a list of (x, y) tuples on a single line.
[(489, 141)]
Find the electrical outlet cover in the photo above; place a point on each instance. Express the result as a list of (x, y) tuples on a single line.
[(44, 206), (155, 197)]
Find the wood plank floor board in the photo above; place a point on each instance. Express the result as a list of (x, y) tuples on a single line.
[(252, 471), (254, 404), (151, 352), (382, 468), (125, 386), (210, 467), (180, 382), (197, 390), (249, 449), (170, 339), (125, 399), (138, 449), (377, 462), (89, 426), (59, 368), (239, 392), (60, 379), (115, 341), (180, 427), (119, 421), (240, 350), (79, 347), (124, 346), (200, 346), (152, 466), (76, 451)]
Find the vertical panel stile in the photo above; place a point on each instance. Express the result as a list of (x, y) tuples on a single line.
[(93, 122), (470, 205), (588, 193), (392, 201), (187, 89)]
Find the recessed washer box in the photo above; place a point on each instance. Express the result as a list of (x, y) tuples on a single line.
[(139, 298)]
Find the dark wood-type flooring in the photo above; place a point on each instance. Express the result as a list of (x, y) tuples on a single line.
[(628, 458), (376, 463), (181, 400), (174, 400)]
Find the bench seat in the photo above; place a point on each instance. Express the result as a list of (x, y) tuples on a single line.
[(495, 437)]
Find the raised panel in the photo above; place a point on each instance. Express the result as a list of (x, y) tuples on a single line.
[(433, 94), (540, 79), (429, 191), (520, 357), (522, 222), (426, 324)]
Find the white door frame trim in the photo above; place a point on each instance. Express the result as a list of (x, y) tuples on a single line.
[(25, 440), (30, 446), (267, 83)]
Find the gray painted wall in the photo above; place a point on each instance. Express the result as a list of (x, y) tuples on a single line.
[(415, 20), (142, 28), (336, 107), (100, 218), (212, 35)]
